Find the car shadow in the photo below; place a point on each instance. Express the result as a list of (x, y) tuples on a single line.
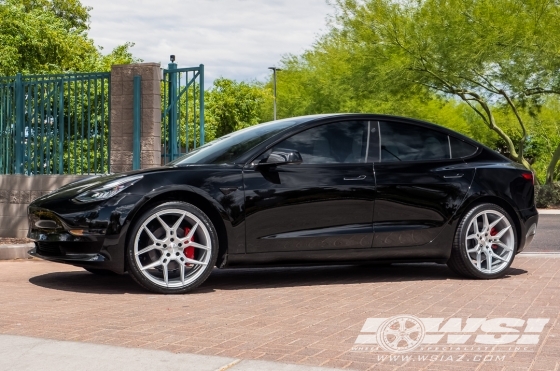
[(86, 282), (255, 278)]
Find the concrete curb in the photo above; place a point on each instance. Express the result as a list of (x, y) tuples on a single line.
[(539, 254), (549, 211), (15, 251)]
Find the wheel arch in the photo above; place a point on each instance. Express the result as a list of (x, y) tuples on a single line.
[(469, 204), (195, 199)]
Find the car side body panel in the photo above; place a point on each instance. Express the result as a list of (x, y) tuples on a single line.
[(415, 201), (301, 208)]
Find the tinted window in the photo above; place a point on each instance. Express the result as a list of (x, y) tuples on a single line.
[(341, 142), (403, 142), (461, 149), (227, 148)]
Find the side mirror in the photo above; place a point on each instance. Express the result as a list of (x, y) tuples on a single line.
[(283, 157)]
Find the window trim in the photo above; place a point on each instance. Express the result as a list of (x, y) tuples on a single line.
[(476, 152), (367, 141)]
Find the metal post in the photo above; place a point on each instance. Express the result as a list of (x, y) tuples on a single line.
[(20, 130), (137, 122), (61, 127), (274, 93), (201, 116), (274, 70), (172, 103)]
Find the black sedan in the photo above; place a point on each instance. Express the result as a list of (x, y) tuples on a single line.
[(326, 189)]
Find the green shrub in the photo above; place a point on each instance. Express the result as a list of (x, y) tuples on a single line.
[(547, 195)]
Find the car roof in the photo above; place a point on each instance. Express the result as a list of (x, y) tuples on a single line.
[(380, 117), (305, 122)]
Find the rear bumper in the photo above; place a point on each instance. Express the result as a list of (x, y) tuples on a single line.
[(529, 223)]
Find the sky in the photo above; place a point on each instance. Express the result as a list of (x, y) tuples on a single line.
[(237, 39)]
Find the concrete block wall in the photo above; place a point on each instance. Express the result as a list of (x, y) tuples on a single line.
[(122, 77), (17, 192)]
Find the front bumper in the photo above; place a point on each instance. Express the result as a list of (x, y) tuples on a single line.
[(68, 248), (88, 235), (67, 258), (85, 254)]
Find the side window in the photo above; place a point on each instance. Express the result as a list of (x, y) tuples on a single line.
[(404, 142), (460, 149), (336, 143)]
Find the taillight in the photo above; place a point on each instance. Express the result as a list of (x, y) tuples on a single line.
[(529, 176)]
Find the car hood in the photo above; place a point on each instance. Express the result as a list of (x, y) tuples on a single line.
[(73, 189), (98, 180)]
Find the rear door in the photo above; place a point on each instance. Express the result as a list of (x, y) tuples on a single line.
[(326, 202), (420, 183)]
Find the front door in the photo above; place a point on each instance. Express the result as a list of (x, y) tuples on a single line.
[(421, 182), (326, 202)]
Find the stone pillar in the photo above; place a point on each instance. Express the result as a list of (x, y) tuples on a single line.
[(122, 77)]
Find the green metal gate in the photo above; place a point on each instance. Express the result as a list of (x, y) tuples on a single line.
[(55, 124), (183, 110)]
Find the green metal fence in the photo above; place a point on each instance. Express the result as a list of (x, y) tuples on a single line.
[(55, 124), (183, 110)]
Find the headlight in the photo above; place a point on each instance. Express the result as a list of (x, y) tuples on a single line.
[(108, 190)]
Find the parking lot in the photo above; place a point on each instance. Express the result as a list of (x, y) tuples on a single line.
[(308, 315)]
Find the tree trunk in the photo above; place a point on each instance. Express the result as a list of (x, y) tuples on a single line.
[(552, 166)]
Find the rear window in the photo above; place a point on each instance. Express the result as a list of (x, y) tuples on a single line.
[(461, 149), (405, 142)]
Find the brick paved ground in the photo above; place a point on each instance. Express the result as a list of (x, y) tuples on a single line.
[(299, 315)]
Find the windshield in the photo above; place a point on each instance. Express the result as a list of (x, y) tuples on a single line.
[(227, 148)]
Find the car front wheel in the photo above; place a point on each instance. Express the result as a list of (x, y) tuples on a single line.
[(485, 243), (173, 248)]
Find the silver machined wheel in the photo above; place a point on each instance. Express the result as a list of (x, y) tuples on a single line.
[(490, 242), (172, 248)]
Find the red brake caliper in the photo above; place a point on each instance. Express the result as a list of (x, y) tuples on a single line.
[(189, 251), (494, 232)]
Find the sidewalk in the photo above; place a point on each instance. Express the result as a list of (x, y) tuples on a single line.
[(308, 316), (18, 353)]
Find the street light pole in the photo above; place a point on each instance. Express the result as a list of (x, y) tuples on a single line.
[(274, 70)]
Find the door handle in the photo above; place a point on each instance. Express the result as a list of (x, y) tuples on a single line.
[(453, 176), (361, 177)]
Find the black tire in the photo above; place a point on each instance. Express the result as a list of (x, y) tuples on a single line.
[(203, 271), (101, 272), (460, 262)]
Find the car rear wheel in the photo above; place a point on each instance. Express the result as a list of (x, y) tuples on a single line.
[(485, 243), (172, 249)]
